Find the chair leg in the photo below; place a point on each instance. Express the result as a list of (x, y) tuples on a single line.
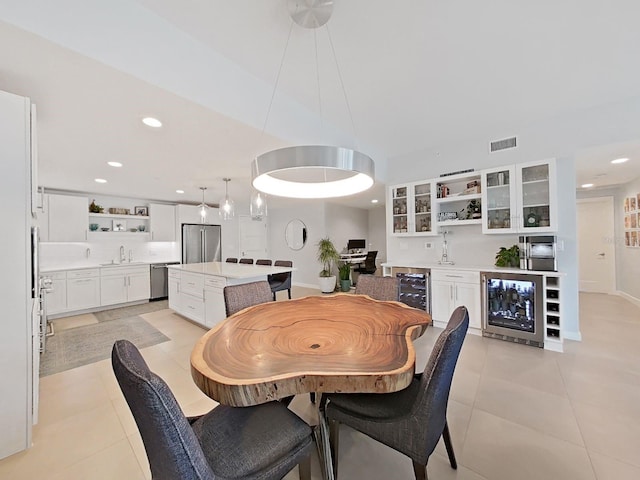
[(420, 471), (304, 468), (334, 437), (449, 446), (312, 397), (289, 290), (274, 296)]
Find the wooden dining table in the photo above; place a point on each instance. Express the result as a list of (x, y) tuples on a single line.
[(337, 343)]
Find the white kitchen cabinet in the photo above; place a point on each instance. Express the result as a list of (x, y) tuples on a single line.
[(458, 200), (162, 219), (192, 307), (56, 297), (124, 284), (68, 218), (214, 306), (411, 209), (174, 289), (83, 289), (520, 198), (451, 289)]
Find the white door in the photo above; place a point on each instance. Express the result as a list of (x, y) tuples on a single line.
[(596, 247), (253, 238)]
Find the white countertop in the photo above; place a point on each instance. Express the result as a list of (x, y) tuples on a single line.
[(474, 268), (92, 264), (231, 270)]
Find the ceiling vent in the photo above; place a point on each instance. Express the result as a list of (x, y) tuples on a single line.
[(502, 144)]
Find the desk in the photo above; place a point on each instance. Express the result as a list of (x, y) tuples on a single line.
[(338, 343), (353, 257)]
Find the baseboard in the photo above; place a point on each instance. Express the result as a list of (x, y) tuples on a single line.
[(101, 308), (306, 285), (631, 298)]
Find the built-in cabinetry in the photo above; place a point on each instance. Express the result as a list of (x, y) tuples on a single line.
[(201, 297), (124, 284), (412, 208), (520, 198), (67, 218), (509, 199), (552, 316), (108, 225), (214, 306), (56, 300), (174, 289), (83, 289), (162, 222), (452, 288)]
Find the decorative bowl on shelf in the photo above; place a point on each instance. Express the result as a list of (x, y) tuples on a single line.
[(93, 227), (105, 229), (133, 229), (142, 228)]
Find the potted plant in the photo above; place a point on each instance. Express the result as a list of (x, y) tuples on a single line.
[(508, 257), (327, 254), (344, 272)]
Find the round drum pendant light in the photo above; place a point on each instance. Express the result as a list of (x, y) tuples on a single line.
[(312, 171)]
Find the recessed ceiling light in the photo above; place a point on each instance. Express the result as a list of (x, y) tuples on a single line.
[(587, 185), (374, 201), (620, 160), (152, 122), (100, 180), (114, 164), (179, 191)]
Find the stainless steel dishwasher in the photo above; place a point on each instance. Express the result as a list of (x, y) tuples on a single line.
[(159, 280)]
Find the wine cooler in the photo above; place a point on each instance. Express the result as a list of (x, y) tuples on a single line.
[(414, 287)]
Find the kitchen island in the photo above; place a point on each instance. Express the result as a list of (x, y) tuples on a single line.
[(196, 289)]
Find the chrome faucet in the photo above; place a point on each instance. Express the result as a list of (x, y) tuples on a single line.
[(445, 250), (122, 257)]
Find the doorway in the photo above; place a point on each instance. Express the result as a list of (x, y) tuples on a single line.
[(596, 245)]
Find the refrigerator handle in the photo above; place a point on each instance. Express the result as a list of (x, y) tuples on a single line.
[(203, 246)]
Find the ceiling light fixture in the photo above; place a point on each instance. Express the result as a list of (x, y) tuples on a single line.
[(619, 160), (152, 122), (587, 185), (203, 207), (374, 200), (114, 164), (227, 208), (312, 171), (181, 192), (99, 180), (258, 205)]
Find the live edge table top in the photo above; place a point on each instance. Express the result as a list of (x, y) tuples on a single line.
[(337, 343)]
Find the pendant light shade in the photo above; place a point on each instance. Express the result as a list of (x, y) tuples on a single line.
[(203, 207), (227, 208), (258, 206), (312, 171)]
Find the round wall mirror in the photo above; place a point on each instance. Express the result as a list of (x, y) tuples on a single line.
[(295, 234)]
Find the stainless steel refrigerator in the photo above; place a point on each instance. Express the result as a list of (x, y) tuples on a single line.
[(201, 243)]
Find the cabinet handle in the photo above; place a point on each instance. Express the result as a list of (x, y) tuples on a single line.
[(451, 291), (455, 295), (125, 281), (454, 276), (84, 281)]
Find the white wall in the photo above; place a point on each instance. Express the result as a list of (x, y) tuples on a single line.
[(627, 259), (377, 236), (345, 223)]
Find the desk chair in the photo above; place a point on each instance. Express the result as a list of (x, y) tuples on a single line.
[(412, 420), (369, 266), (260, 442)]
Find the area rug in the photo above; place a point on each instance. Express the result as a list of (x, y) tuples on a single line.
[(79, 346), (122, 312)]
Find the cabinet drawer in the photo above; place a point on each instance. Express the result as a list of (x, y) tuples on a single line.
[(215, 282), (124, 271), (174, 273), (90, 272), (192, 307), (192, 283), (55, 275), (458, 276)]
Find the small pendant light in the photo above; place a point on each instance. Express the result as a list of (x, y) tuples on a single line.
[(227, 209), (203, 207), (258, 206)]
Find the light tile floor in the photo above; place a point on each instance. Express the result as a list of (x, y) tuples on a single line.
[(515, 412)]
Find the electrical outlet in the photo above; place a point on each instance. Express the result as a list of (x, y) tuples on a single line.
[(428, 245)]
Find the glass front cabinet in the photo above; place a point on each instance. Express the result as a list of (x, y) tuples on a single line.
[(412, 209), (520, 198)]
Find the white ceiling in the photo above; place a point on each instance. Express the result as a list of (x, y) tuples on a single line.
[(418, 74)]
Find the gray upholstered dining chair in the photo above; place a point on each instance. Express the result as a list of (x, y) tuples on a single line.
[(238, 297), (263, 261), (232, 260), (412, 420), (260, 442), (379, 288), (280, 281), (246, 260)]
